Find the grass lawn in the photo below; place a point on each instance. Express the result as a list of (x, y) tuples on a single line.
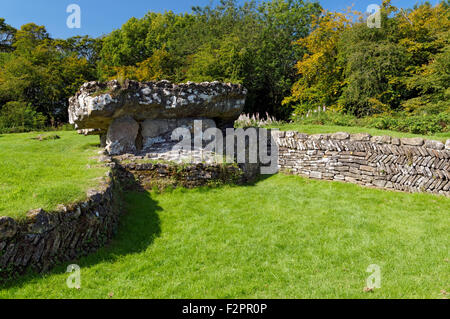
[(284, 237), (42, 174), (316, 129)]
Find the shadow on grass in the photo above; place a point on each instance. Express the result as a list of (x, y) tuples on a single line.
[(260, 178), (139, 226)]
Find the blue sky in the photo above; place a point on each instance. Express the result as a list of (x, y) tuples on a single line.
[(102, 16)]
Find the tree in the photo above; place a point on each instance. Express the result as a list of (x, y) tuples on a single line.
[(19, 116), (250, 44), (83, 46), (42, 76), (6, 36), (321, 78), (425, 35), (373, 65), (283, 22), (158, 67)]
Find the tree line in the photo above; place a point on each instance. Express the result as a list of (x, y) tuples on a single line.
[(292, 55)]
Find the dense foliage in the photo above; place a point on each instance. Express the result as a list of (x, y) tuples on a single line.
[(249, 44), (38, 74), (291, 55), (426, 124), (401, 68)]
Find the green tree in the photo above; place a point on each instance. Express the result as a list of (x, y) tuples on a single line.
[(39, 74), (251, 44), (321, 78), (283, 22), (425, 35), (6, 36), (402, 66), (19, 116)]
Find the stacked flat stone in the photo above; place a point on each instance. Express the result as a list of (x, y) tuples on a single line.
[(44, 239), (405, 164), (189, 175)]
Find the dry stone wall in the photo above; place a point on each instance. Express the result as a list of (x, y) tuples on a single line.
[(162, 175), (406, 164), (43, 239)]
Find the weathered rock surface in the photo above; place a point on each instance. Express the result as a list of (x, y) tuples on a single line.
[(8, 227), (160, 131), (340, 136), (414, 141), (121, 136), (361, 137), (434, 145), (135, 116), (96, 104)]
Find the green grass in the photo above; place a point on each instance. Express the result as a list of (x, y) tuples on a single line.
[(284, 237), (42, 174), (316, 129)]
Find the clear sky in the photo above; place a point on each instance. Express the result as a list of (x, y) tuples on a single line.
[(102, 16)]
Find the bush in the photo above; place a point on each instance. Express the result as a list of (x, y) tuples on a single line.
[(401, 122), (426, 124), (327, 118), (16, 117), (255, 120)]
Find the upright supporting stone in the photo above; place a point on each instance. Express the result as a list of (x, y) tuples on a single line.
[(121, 137), (156, 131)]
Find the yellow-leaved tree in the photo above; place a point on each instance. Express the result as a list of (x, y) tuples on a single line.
[(320, 76), (425, 35)]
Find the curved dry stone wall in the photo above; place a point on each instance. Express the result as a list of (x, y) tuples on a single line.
[(405, 164), (43, 239)]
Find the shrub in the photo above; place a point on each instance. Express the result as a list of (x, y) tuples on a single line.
[(425, 124), (401, 122), (327, 118), (247, 120)]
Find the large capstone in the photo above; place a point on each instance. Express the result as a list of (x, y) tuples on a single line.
[(135, 116), (96, 104)]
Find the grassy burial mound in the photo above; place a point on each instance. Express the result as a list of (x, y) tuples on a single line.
[(45, 170)]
